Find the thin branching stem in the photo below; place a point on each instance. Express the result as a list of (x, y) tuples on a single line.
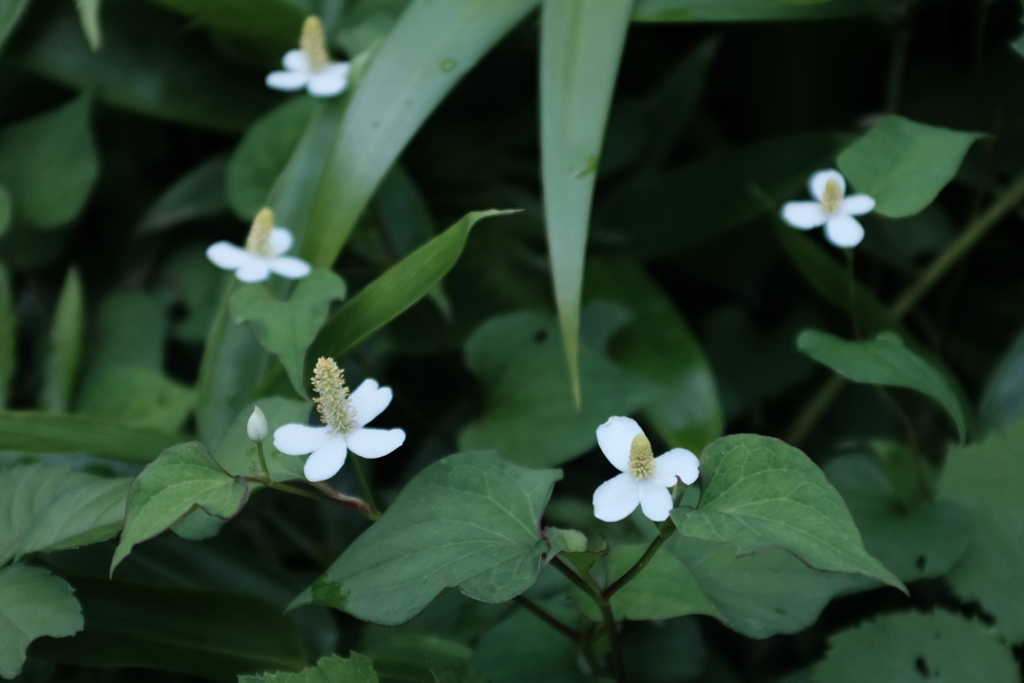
[(535, 609)]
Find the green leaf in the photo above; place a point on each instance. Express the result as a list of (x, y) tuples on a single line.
[(277, 22), (197, 194), (236, 452), (286, 329), (6, 210), (136, 396), (663, 590), (914, 646), (530, 416), (658, 346), (129, 329), (883, 360), (264, 153), (212, 634), (658, 213), (921, 542), (987, 478), (758, 492), (89, 15), (751, 10), (181, 479), (763, 594), (51, 508), (1002, 402), (65, 346), (551, 658), (581, 44), (8, 340), (150, 63), (429, 50), (33, 603), (10, 13), (49, 164), (34, 432), (469, 521), (395, 290), (333, 669), (904, 164)]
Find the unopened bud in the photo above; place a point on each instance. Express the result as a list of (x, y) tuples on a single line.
[(257, 426)]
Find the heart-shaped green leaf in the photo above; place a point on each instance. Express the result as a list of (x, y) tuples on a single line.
[(469, 521), (181, 479), (33, 603), (287, 328), (758, 492)]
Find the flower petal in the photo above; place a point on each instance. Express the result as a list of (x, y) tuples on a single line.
[(256, 269), (803, 215), (226, 255), (655, 500), (616, 498), (295, 60), (281, 240), (290, 267), (615, 437), (288, 81), (844, 231), (818, 181), (328, 83), (296, 439), (368, 401), (678, 462), (374, 443), (857, 205), (325, 461)]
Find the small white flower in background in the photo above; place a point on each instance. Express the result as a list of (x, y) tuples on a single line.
[(645, 480), (310, 66), (262, 254), (256, 427), (344, 417), (833, 209)]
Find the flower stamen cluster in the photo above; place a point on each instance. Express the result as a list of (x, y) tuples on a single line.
[(313, 44), (641, 458), (332, 396), (258, 241)]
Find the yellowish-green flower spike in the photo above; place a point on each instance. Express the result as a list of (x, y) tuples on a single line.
[(641, 457), (313, 44), (832, 197), (258, 241), (332, 401)]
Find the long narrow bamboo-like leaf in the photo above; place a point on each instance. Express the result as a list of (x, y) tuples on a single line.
[(433, 45), (396, 290), (29, 431), (581, 44), (65, 346), (10, 13)]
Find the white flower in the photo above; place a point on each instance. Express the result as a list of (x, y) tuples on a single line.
[(645, 480), (345, 419), (256, 427), (262, 254), (310, 66), (832, 209)]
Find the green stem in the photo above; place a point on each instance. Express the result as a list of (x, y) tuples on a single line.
[(590, 587), (358, 467), (533, 608), (263, 460), (665, 530), (853, 293), (954, 252)]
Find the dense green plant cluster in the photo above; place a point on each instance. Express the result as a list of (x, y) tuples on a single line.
[(593, 397)]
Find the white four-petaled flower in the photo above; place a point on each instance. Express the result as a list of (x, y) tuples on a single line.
[(645, 479), (833, 209), (345, 418), (311, 66), (262, 254)]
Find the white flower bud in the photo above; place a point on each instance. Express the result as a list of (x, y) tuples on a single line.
[(257, 426)]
